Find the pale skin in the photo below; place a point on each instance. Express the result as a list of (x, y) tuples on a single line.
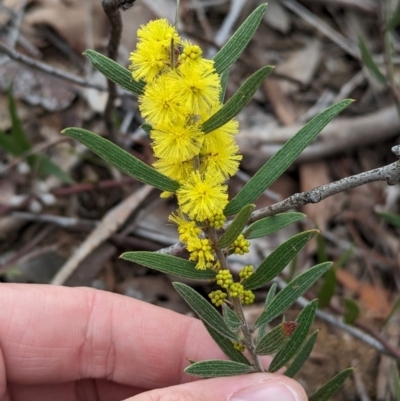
[(70, 344)]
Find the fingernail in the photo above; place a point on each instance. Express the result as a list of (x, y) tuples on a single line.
[(267, 391)]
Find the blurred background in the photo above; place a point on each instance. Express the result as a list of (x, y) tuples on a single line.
[(64, 209)]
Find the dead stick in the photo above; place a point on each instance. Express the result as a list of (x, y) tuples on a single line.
[(111, 8)]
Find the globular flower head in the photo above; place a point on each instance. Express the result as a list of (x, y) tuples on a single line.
[(192, 55), (158, 104), (224, 278), (202, 196), (194, 87), (180, 171), (152, 54), (176, 142), (217, 297), (246, 272), (241, 245)]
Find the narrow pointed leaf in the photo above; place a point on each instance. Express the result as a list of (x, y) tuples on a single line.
[(227, 346), (224, 84), (394, 19), (230, 317), (48, 167), (236, 103), (270, 296), (146, 128), (278, 163), (289, 350), (115, 72), (278, 260), (351, 311), (236, 227), (391, 218), (302, 356), (275, 339), (272, 224), (216, 368), (395, 380), (231, 51), (168, 264), (327, 289), (204, 310), (333, 385), (369, 61), (121, 159), (292, 292)]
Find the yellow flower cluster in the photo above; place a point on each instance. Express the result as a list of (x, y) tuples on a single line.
[(183, 91)]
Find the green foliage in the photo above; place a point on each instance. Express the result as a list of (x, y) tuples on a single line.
[(351, 311), (272, 224), (236, 103), (17, 144), (304, 321), (224, 84), (278, 260), (216, 368), (230, 317), (275, 339), (278, 163), (204, 310), (236, 227), (169, 264), (369, 61), (292, 292), (227, 346), (330, 388), (302, 355), (391, 218), (115, 72), (394, 20), (121, 159), (232, 49)]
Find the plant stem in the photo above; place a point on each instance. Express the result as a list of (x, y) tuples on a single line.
[(248, 339), (237, 305)]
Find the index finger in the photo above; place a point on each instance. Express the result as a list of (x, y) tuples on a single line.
[(52, 334)]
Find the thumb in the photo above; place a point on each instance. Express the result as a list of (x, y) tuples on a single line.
[(254, 387)]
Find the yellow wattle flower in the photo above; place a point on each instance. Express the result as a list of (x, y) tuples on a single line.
[(202, 197)]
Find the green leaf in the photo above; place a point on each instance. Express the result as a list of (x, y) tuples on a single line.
[(369, 61), (48, 167), (391, 218), (236, 227), (327, 289), (115, 72), (8, 144), (230, 317), (17, 130), (330, 388), (146, 128), (394, 19), (292, 292), (275, 339), (204, 310), (304, 320), (224, 77), (351, 311), (321, 250), (236, 103), (272, 224), (274, 263), (270, 296), (232, 49), (227, 346), (216, 368), (278, 163), (169, 264), (121, 159), (396, 381), (302, 356)]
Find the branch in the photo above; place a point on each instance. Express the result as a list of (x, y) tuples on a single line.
[(111, 8), (389, 173), (46, 68)]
